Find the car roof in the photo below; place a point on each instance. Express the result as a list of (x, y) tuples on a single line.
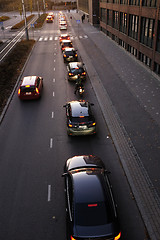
[(88, 186), (75, 64), (66, 41), (69, 49), (79, 108), (84, 161), (28, 80), (65, 35)]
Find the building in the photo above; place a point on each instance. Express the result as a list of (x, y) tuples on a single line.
[(133, 24), (91, 9)]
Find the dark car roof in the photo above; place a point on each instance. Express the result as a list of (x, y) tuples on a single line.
[(87, 186)]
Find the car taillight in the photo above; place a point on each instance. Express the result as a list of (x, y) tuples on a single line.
[(70, 74), (68, 38), (70, 125), (64, 55), (83, 73), (76, 55), (92, 124), (37, 91), (72, 238), (118, 236), (19, 91)]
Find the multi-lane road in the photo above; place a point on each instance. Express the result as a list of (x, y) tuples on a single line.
[(34, 144)]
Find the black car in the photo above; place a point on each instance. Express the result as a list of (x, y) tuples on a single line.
[(66, 44), (75, 69), (91, 211), (70, 55), (80, 119)]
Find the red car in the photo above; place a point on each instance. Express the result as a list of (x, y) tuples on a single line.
[(30, 87)]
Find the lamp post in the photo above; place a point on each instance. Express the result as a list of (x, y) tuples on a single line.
[(25, 21)]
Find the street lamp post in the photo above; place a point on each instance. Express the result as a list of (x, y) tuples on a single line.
[(25, 21)]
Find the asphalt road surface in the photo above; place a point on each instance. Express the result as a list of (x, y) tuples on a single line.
[(34, 147)]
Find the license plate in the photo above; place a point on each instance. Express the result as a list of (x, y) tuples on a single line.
[(28, 93), (83, 127)]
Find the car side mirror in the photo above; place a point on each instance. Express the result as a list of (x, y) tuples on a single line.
[(107, 172), (64, 174)]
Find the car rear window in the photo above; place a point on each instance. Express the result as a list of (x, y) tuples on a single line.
[(77, 70), (93, 214), (27, 89), (70, 53), (80, 119)]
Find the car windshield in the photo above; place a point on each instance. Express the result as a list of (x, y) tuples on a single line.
[(93, 214), (27, 89), (76, 71)]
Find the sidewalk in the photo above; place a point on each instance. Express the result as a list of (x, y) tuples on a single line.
[(128, 70)]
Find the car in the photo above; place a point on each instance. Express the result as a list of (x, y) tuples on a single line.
[(80, 119), (51, 14), (30, 87), (66, 44), (64, 37), (63, 25), (49, 19), (91, 211), (75, 69), (70, 55)]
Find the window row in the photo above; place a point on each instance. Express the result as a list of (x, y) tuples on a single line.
[(146, 3), (119, 21)]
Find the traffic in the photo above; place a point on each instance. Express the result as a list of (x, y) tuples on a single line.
[(61, 132)]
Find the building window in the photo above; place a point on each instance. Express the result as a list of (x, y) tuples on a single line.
[(147, 28), (157, 68), (123, 1), (158, 37), (134, 2), (123, 22), (109, 17), (133, 26), (115, 19), (103, 15), (149, 3)]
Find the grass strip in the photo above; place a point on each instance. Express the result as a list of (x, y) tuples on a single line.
[(11, 68)]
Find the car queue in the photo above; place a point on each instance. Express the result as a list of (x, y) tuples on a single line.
[(91, 209)]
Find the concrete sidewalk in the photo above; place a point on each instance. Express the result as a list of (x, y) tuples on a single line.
[(124, 65)]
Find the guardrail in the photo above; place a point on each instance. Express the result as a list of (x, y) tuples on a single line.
[(4, 52)]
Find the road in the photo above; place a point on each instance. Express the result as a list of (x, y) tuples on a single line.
[(34, 147)]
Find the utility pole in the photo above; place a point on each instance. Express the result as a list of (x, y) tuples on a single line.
[(44, 6), (38, 8), (25, 20)]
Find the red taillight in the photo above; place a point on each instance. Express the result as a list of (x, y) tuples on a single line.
[(37, 91), (70, 74), (70, 125), (118, 236), (76, 55), (83, 73), (19, 91), (64, 55), (72, 238)]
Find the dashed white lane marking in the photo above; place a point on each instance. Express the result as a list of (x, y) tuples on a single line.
[(49, 193), (51, 142)]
